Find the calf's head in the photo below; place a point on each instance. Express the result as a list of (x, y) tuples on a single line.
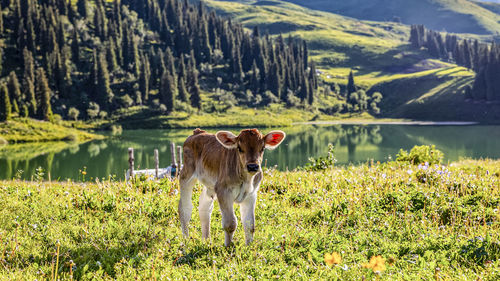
[(250, 145)]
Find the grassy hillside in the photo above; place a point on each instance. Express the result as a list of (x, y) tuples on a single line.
[(413, 84), (435, 95), (333, 40), (493, 6), (438, 222), (30, 130), (458, 16)]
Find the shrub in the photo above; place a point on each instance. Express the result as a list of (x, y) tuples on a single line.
[(421, 154), (93, 110), (56, 119), (322, 163), (73, 113), (71, 137), (126, 101), (116, 129)]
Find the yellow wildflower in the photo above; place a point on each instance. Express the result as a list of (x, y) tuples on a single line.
[(333, 258), (377, 264), (84, 173)]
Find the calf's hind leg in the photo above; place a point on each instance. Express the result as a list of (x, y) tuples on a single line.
[(187, 181)]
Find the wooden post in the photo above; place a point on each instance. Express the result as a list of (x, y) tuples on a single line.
[(131, 163), (179, 156), (157, 164), (172, 152)]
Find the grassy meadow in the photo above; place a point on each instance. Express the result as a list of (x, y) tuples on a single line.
[(427, 222), (21, 130)]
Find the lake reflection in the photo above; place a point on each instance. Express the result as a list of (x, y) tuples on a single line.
[(353, 144)]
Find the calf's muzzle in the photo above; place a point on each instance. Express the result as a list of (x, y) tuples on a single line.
[(253, 167)]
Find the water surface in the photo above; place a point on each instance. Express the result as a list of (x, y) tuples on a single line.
[(353, 144)]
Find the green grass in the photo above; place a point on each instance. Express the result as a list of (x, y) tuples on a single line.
[(442, 222), (30, 130)]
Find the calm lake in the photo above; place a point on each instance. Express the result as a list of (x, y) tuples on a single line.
[(353, 144)]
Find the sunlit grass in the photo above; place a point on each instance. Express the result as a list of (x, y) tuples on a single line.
[(394, 220), (31, 130)]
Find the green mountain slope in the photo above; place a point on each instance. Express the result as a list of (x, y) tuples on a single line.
[(334, 41), (458, 16), (492, 6), (413, 84)]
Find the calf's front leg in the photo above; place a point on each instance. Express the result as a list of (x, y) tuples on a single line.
[(229, 221), (205, 210), (247, 211)]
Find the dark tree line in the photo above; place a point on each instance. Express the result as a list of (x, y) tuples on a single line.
[(93, 56), (482, 58)]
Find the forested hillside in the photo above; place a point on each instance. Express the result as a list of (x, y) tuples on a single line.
[(483, 58), (84, 59)]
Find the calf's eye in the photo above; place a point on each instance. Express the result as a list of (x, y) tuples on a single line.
[(240, 150)]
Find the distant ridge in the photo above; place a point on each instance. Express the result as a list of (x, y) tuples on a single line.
[(457, 16)]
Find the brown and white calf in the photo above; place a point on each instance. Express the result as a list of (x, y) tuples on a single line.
[(229, 167)]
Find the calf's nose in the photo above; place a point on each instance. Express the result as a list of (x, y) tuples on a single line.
[(253, 167)]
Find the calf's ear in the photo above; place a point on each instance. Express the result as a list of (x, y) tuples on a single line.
[(273, 139), (227, 139)]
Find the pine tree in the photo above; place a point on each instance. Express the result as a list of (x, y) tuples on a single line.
[(194, 87), (75, 47), (1, 20), (351, 86), (170, 64), (82, 8), (183, 93), (104, 93), (14, 91), (467, 55), (254, 79), (43, 95), (304, 89), (29, 93), (312, 76), (275, 80), (144, 79), (111, 56), (310, 94), (1, 58), (167, 91), (5, 106), (134, 61), (29, 65), (479, 87)]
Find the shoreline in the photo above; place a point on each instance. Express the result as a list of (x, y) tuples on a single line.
[(388, 122)]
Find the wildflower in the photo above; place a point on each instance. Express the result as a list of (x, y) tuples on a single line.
[(84, 173), (409, 172), (377, 264), (333, 258)]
